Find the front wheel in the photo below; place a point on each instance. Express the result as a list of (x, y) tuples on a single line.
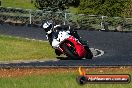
[(70, 53)]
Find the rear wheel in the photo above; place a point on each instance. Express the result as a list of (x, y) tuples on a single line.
[(89, 54)]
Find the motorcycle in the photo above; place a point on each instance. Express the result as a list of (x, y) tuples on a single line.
[(65, 43)]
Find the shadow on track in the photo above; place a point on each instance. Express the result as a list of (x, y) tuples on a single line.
[(67, 58)]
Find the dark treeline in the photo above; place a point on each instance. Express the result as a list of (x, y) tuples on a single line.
[(122, 8), (106, 7)]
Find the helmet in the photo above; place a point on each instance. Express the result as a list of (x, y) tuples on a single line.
[(48, 27)]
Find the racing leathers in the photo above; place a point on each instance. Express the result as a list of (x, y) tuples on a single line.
[(51, 35)]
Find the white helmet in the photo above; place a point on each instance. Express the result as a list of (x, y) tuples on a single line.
[(47, 27)]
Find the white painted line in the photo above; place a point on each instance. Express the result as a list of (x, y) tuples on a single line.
[(95, 52), (26, 61), (101, 53), (23, 38)]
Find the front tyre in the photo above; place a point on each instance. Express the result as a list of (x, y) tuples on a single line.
[(69, 52)]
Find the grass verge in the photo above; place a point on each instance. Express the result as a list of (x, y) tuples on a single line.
[(12, 48), (57, 78), (25, 4)]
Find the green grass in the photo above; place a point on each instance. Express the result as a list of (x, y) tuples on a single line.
[(25, 4), (54, 80), (12, 48)]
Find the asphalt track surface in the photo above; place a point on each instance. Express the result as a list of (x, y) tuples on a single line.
[(117, 47)]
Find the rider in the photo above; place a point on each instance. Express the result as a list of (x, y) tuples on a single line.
[(50, 30)]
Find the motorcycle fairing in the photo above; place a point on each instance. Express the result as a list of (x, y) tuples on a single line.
[(78, 46), (61, 36), (64, 36)]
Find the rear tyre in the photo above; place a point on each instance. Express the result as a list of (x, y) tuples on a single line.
[(69, 52), (89, 54)]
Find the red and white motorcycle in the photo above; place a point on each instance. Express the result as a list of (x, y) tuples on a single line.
[(65, 43)]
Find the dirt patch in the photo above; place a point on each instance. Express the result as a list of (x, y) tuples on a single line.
[(18, 72), (109, 70)]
